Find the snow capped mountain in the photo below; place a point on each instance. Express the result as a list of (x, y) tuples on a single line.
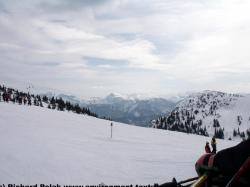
[(136, 109), (113, 98), (131, 110), (210, 113), (117, 97)]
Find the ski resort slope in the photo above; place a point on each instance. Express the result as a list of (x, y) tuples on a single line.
[(38, 145)]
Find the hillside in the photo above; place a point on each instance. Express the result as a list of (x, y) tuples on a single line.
[(39, 145), (210, 113), (11, 95), (130, 109)]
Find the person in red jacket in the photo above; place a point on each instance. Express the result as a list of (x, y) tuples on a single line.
[(207, 148)]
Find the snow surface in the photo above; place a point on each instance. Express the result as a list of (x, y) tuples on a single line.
[(39, 145)]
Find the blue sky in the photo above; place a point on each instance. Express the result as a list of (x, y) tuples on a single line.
[(92, 48)]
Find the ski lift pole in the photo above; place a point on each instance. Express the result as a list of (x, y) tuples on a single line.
[(111, 125)]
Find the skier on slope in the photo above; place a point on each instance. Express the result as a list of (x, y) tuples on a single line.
[(213, 144), (207, 148)]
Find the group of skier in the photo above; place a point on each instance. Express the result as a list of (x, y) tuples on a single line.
[(213, 144), (226, 168)]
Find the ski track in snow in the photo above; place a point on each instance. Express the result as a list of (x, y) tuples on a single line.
[(39, 145)]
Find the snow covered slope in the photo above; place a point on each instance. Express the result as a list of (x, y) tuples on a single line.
[(210, 111), (39, 145)]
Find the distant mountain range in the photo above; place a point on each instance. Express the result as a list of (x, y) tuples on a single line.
[(210, 113), (131, 109), (206, 113)]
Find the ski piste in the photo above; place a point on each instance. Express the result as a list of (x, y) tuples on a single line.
[(116, 130)]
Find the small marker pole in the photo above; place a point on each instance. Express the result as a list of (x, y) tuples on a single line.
[(111, 125)]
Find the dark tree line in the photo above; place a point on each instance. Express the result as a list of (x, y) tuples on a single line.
[(173, 122), (219, 133), (15, 96), (243, 135)]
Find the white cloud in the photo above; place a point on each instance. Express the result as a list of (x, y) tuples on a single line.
[(180, 44)]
